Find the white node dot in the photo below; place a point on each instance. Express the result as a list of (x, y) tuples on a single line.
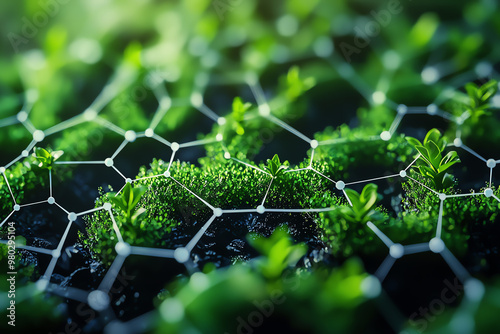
[(391, 60), (51, 200), (107, 206), (340, 185), (488, 192), (149, 133), (17, 207), (442, 197), (72, 216), (495, 101), (221, 121), (199, 281), (264, 110), (491, 163), (22, 116), (130, 135), (128, 180), (172, 310), (402, 173), (123, 248), (378, 97), (323, 47), (218, 212), (314, 143), (98, 300), (108, 162), (457, 142), (166, 173), (42, 284), (396, 251), (227, 155), (430, 75), (89, 114), (165, 102), (38, 135), (196, 99), (436, 245), (483, 69), (370, 286), (287, 25), (432, 109), (474, 289), (56, 253), (261, 209), (385, 135), (25, 153), (2, 170), (402, 109), (174, 146), (181, 255), (219, 137)]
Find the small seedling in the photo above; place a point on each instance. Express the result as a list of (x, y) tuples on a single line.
[(295, 85), (479, 98), (274, 166), (45, 159), (239, 109), (363, 205), (431, 164), (127, 201)]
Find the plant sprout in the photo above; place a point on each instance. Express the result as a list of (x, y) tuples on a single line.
[(274, 166), (127, 201), (239, 109), (431, 164), (45, 158), (363, 205), (479, 98)]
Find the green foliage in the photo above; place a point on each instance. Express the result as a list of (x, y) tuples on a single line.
[(294, 85), (238, 113), (432, 164), (363, 205), (127, 200), (274, 166), (279, 252), (45, 159), (479, 97)]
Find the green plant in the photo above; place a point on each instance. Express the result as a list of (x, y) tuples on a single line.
[(238, 113), (431, 164), (45, 159), (363, 205), (127, 200), (274, 166), (295, 85), (479, 97)]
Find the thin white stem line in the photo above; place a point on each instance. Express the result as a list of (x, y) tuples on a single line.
[(395, 123), (267, 192), (79, 162), (50, 182), (415, 160), (373, 179), (416, 248), (19, 157), (36, 249), (119, 149), (28, 125), (192, 243), (468, 149), (68, 292), (65, 124), (34, 203), (347, 197), (162, 140), (109, 125), (455, 265), (384, 268), (440, 220), (171, 161), (52, 264), (112, 273), (31, 145), (61, 208), (464, 195), (201, 199), (423, 185), (207, 112), (491, 176), (252, 166), (297, 170), (385, 239), (8, 121), (498, 199), (89, 211), (10, 214), (198, 142), (257, 92), (120, 173), (8, 186), (158, 116), (147, 177), (300, 210), (156, 252), (323, 175), (289, 128), (119, 191), (115, 226), (312, 158), (239, 210)]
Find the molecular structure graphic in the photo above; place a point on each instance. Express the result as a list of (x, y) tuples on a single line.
[(99, 300)]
